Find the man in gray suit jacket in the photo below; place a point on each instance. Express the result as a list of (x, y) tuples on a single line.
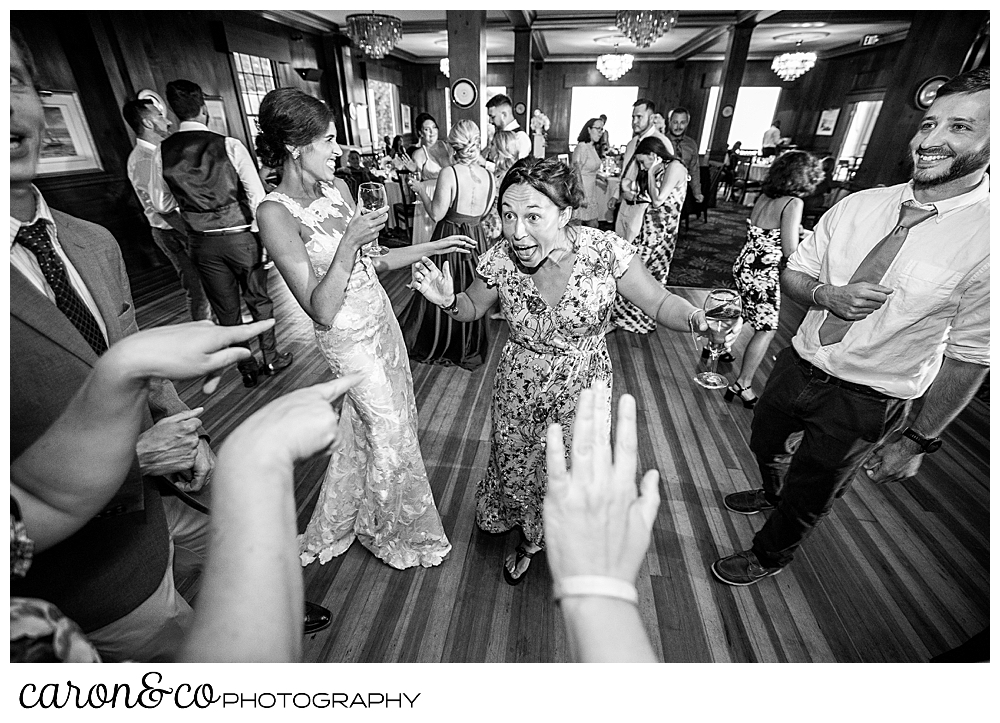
[(70, 300)]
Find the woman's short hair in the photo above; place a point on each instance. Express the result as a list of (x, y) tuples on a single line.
[(655, 146), (556, 180), (584, 136), (289, 117), (418, 123), (464, 138), (793, 173)]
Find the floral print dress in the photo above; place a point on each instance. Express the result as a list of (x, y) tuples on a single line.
[(552, 354), (757, 273), (376, 486), (656, 242)]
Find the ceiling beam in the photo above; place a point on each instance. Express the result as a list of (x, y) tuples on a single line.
[(708, 37), (539, 48), (299, 19), (835, 17), (856, 47), (521, 18)]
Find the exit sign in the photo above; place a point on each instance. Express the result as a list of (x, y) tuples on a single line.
[(870, 40)]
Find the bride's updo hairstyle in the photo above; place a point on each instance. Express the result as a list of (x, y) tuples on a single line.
[(464, 138), (551, 177), (288, 117)]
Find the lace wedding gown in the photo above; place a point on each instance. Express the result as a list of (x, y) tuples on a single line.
[(376, 487)]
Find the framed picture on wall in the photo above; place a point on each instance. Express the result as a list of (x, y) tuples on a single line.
[(827, 122), (67, 143), (216, 115), (404, 112)]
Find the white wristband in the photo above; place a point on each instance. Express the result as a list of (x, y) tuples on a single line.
[(599, 585)]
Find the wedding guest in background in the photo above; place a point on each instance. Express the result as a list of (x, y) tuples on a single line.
[(587, 162), (773, 231), (431, 155)]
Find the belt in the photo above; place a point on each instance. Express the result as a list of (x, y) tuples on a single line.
[(820, 375), (224, 232)]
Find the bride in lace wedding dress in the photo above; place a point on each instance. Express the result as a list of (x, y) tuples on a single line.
[(376, 487)]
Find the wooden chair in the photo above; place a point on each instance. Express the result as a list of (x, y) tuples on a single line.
[(402, 213), (743, 183), (710, 177)]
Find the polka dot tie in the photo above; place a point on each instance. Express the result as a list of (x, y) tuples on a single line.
[(36, 239)]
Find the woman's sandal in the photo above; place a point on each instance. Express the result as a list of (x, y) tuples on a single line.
[(735, 390), (520, 552)]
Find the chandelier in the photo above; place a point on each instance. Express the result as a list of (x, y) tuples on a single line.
[(644, 26), (789, 66), (375, 34), (614, 65), (445, 65)]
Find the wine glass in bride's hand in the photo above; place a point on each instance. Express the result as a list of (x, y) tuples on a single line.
[(722, 311), (371, 197)]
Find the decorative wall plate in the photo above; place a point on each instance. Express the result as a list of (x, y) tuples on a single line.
[(464, 93)]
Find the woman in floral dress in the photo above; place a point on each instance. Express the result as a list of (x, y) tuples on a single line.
[(556, 284), (772, 234), (376, 487), (665, 182)]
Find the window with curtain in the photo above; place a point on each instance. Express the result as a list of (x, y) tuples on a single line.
[(255, 76), (385, 99)]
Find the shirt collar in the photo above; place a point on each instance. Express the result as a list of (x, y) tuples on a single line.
[(512, 126), (42, 213), (145, 144), (950, 205), (190, 125)]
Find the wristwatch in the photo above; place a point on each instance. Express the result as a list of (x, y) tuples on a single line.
[(928, 445)]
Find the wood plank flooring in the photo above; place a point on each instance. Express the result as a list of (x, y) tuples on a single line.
[(895, 573)]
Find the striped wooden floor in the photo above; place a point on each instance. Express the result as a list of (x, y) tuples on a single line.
[(896, 573)]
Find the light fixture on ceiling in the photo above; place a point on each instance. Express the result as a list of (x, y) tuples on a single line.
[(614, 65), (375, 34), (789, 66), (445, 66), (643, 27)]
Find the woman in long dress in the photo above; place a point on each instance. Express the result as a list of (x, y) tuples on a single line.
[(556, 284), (587, 162), (376, 487), (464, 195), (430, 156), (663, 178), (773, 231)]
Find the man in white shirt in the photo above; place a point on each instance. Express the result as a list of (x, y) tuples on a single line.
[(891, 319), (501, 112), (633, 206), (212, 180), (772, 137), (169, 232)]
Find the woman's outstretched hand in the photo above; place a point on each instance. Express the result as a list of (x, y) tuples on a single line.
[(595, 522), (435, 284), (461, 244), (184, 351)]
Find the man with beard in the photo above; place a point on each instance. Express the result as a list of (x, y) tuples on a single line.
[(686, 148), (169, 230), (634, 203), (897, 280)]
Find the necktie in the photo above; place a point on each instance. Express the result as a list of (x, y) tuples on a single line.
[(874, 266), (36, 239)]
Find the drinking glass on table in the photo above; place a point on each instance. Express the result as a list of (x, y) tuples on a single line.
[(722, 311), (371, 197)]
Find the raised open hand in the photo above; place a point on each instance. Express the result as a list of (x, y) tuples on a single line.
[(435, 284)]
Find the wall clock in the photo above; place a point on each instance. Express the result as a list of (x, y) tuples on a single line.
[(464, 93), (927, 91), (727, 111), (352, 110), (520, 108)]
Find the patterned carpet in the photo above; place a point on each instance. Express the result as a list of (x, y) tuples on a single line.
[(706, 251)]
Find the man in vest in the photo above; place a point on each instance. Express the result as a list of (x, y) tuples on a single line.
[(213, 181)]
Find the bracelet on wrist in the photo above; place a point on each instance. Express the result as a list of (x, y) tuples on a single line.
[(452, 307), (816, 288), (594, 585)]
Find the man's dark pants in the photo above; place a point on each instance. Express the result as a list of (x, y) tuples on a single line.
[(231, 267), (176, 247), (841, 427)]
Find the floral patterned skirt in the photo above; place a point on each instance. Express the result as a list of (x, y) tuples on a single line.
[(757, 273)]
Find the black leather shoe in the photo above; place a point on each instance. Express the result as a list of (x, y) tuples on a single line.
[(281, 361), (317, 618), (249, 376)]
